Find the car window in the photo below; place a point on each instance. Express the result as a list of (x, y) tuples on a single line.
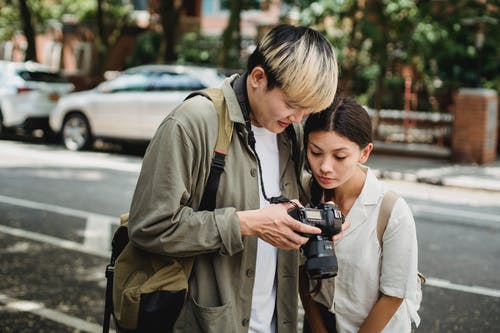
[(176, 81), (40, 76), (128, 82)]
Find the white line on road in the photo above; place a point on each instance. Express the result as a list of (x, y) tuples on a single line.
[(95, 223), (468, 289), (20, 154), (59, 317), (97, 233), (55, 208), (468, 216), (63, 243)]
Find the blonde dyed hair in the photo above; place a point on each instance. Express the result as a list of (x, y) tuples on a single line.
[(301, 62)]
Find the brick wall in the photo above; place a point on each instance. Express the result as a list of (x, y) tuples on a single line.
[(475, 126)]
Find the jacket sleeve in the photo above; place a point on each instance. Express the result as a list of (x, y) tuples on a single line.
[(171, 182)]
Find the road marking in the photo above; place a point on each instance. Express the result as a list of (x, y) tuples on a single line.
[(97, 236), (459, 287), (28, 155), (59, 317), (62, 243), (468, 216), (97, 233), (54, 208)]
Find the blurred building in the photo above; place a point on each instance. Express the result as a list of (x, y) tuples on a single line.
[(69, 45)]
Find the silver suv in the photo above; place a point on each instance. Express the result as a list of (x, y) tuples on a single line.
[(28, 93), (129, 107)]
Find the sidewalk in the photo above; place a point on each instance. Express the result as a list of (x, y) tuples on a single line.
[(435, 170)]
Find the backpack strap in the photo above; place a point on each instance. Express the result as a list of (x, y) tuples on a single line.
[(225, 133), (388, 202), (386, 207)]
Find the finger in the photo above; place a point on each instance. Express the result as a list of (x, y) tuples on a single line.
[(346, 225), (285, 243), (292, 204), (338, 236), (297, 202), (298, 226)]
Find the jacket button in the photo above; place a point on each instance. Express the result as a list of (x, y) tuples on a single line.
[(245, 322), (253, 172), (250, 272)]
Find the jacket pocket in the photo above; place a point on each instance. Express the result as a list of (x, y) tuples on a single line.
[(210, 318)]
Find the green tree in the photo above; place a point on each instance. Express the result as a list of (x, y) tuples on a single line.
[(229, 56), (440, 41)]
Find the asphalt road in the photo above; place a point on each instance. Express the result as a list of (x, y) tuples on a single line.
[(58, 210)]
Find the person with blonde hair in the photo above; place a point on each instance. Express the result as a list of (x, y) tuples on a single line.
[(245, 272)]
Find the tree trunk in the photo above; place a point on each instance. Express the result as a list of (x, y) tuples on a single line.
[(29, 31), (170, 15), (100, 24), (230, 53)]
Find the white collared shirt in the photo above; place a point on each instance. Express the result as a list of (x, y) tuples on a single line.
[(364, 271)]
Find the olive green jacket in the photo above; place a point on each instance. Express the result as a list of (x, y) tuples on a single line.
[(162, 220)]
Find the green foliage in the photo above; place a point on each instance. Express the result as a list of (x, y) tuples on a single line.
[(195, 48), (146, 50), (8, 21), (374, 40)]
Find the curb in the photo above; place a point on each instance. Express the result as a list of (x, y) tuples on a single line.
[(464, 182)]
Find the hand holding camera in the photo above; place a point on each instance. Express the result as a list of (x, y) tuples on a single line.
[(321, 261), (274, 225)]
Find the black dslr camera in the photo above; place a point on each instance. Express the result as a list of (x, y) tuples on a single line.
[(321, 261)]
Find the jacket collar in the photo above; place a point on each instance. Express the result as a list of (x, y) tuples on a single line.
[(232, 87), (366, 201)]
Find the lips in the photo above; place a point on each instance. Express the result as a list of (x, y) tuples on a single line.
[(283, 124), (325, 180)]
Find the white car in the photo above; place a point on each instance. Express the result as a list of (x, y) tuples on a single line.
[(29, 92), (129, 107)]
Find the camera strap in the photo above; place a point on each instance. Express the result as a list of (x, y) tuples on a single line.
[(245, 109)]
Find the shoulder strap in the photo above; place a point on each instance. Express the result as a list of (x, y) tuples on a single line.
[(225, 132), (386, 207)]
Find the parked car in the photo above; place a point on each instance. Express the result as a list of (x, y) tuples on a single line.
[(29, 92), (129, 107)]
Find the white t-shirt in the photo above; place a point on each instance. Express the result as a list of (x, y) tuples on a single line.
[(263, 319)]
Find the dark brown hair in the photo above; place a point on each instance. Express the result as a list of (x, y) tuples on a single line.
[(345, 117)]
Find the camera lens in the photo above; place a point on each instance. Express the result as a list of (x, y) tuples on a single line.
[(321, 267), (321, 260)]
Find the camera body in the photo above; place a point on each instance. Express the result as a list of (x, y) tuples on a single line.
[(321, 261)]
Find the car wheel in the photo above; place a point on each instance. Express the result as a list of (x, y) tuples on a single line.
[(76, 133), (2, 131)]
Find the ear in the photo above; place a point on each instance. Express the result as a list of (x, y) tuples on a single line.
[(257, 77), (365, 153)]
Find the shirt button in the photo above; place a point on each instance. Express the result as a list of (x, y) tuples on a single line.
[(250, 272), (245, 322), (253, 172)]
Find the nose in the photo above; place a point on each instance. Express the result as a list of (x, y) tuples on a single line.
[(297, 115), (326, 166)]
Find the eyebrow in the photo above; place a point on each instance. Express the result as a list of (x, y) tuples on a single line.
[(335, 150)]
